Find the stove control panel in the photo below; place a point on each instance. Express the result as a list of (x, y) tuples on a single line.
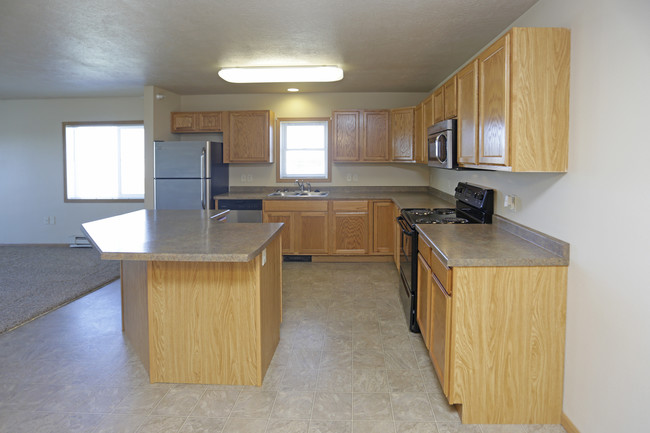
[(475, 195)]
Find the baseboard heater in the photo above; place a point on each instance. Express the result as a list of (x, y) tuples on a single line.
[(293, 258), (80, 242)]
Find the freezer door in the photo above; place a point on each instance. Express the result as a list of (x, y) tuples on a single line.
[(181, 159), (182, 194)]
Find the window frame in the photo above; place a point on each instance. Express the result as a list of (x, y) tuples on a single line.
[(65, 161), (278, 151)]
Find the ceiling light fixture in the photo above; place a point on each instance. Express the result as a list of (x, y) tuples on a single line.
[(293, 89), (282, 74)]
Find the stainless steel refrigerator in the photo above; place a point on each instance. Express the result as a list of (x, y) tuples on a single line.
[(187, 174)]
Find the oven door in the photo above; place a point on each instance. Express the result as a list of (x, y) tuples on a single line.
[(408, 272)]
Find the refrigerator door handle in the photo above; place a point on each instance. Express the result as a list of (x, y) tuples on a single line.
[(203, 190)]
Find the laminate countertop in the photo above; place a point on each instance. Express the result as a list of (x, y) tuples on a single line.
[(178, 235)]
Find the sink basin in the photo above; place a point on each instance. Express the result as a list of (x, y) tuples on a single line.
[(299, 194)]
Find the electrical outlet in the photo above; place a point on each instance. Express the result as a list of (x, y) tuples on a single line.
[(348, 177), (46, 220), (511, 202), (249, 178), (243, 178), (355, 178)]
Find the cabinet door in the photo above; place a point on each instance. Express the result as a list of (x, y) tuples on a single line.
[(468, 115), (247, 137), (440, 332), (184, 122), (494, 103), (349, 227), (311, 233), (401, 131), (346, 135), (423, 308), (383, 227), (287, 235), (419, 145), (427, 114), (210, 121), (376, 144), (451, 96), (438, 105)]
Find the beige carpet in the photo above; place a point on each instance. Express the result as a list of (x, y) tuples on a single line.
[(37, 279)]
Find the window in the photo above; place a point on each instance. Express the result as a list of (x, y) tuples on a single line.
[(304, 149), (104, 161)]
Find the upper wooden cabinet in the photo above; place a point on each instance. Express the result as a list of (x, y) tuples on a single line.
[(451, 98), (361, 135), (419, 136), (402, 128), (523, 103), (346, 135), (438, 105), (467, 124), (376, 138), (248, 136), (427, 113), (199, 121)]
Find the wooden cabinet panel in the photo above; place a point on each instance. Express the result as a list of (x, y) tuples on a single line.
[(383, 227), (440, 332), (248, 136), (376, 144), (427, 114), (312, 232), (346, 135), (423, 307), (402, 130), (450, 92), (419, 136), (494, 96), (467, 123), (438, 105), (287, 218), (184, 122), (349, 226), (210, 121)]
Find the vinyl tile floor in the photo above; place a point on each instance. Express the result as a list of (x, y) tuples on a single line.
[(346, 363)]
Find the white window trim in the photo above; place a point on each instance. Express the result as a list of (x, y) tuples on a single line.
[(66, 199), (280, 158)]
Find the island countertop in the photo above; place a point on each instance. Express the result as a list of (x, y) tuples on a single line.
[(178, 235)]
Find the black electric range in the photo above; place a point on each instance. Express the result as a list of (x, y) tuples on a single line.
[(474, 205)]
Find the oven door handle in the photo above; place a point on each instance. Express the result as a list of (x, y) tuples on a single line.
[(406, 229)]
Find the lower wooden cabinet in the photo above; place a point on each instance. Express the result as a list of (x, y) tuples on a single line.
[(349, 227), (383, 227), (306, 224), (495, 336)]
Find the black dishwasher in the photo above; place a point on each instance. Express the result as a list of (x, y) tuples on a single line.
[(241, 210)]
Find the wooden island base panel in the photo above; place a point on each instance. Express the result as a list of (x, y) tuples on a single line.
[(201, 300), (208, 323)]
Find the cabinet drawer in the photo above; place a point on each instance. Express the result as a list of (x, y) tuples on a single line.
[(425, 250), (306, 205), (442, 272), (350, 206)]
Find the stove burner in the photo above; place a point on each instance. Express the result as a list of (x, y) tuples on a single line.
[(420, 212), (455, 220), (444, 211)]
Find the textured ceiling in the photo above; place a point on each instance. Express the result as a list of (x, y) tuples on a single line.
[(66, 48)]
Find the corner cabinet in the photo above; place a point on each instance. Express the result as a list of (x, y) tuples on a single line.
[(523, 103), (248, 136), (495, 336)]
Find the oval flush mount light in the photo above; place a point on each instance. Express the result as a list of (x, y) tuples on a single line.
[(293, 89), (282, 74)]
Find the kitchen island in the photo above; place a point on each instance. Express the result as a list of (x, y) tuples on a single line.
[(201, 300)]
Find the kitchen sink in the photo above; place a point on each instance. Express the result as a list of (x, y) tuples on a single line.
[(299, 194)]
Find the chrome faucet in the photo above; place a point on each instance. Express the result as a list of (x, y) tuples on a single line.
[(301, 185)]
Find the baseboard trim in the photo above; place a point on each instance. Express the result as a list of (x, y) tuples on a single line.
[(567, 424)]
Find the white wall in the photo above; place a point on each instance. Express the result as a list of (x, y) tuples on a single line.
[(316, 105), (607, 374), (31, 167)]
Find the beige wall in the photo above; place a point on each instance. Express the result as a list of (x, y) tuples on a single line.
[(316, 105), (607, 379)]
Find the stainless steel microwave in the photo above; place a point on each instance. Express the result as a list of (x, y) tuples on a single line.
[(441, 144)]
